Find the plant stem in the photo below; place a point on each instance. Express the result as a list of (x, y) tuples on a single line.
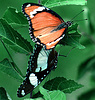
[(31, 94), (39, 2), (7, 50)]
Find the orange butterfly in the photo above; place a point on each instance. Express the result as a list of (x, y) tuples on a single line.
[(47, 28)]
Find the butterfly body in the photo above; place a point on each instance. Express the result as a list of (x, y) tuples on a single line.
[(63, 25), (47, 28)]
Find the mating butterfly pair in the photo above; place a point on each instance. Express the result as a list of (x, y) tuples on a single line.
[(47, 28)]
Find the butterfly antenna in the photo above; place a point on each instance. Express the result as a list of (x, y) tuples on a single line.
[(79, 20), (76, 15)]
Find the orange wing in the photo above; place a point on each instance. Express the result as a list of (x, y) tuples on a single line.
[(42, 21)]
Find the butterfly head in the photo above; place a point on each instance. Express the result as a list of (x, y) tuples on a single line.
[(69, 23)]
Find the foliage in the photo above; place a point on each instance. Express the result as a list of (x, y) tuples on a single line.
[(10, 69), (88, 65), (11, 22), (62, 84), (15, 18), (50, 95), (55, 3), (72, 37), (3, 94), (13, 39)]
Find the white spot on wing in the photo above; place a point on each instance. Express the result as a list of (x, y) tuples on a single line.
[(40, 9), (28, 5), (33, 79), (47, 71), (31, 15), (37, 42), (47, 8), (55, 40), (44, 75), (22, 92), (42, 78), (37, 69), (35, 11), (29, 22)]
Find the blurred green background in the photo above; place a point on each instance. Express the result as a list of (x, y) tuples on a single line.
[(71, 63)]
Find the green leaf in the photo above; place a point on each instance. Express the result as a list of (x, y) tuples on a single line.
[(38, 94), (52, 95), (90, 95), (6, 67), (45, 93), (86, 66), (54, 3), (57, 95), (35, 99), (73, 28), (13, 39), (3, 94), (17, 69), (62, 84), (15, 18), (72, 37)]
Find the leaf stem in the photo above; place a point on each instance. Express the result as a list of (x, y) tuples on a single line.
[(7, 50), (19, 72), (39, 2), (31, 94)]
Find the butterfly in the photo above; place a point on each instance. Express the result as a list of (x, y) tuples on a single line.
[(40, 64), (46, 27)]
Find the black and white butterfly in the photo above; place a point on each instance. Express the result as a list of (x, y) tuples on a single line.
[(41, 62)]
